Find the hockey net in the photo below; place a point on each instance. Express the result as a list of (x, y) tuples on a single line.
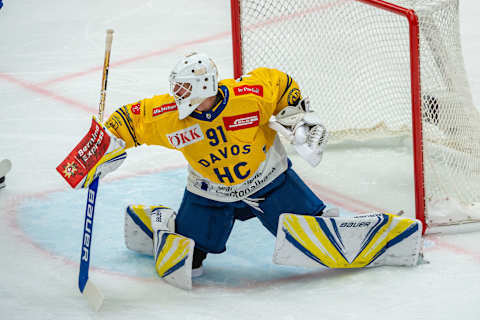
[(374, 70)]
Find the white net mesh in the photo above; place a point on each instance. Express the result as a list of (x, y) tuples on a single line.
[(353, 60)]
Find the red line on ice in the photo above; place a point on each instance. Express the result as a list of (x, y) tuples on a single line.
[(342, 200), (137, 58), (328, 195), (47, 93), (456, 249), (37, 88)]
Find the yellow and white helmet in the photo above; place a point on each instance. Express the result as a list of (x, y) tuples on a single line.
[(192, 80)]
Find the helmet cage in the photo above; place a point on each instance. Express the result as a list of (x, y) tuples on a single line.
[(193, 79)]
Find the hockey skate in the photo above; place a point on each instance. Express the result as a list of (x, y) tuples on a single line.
[(5, 166)]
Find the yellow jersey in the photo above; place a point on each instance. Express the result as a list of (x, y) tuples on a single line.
[(231, 150)]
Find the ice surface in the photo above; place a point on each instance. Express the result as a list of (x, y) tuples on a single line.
[(50, 70)]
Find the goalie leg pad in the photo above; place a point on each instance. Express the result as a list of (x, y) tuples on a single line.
[(173, 258), (173, 252), (348, 242), (138, 227)]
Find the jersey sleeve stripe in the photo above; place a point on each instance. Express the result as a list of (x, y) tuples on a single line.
[(129, 126), (289, 84)]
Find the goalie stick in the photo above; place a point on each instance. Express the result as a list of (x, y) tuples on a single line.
[(86, 286)]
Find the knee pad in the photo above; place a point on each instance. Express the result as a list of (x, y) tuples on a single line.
[(138, 227)]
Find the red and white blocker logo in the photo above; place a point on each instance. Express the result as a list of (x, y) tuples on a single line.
[(243, 121), (185, 137)]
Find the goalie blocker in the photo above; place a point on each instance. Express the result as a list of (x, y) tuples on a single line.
[(97, 154), (348, 242)]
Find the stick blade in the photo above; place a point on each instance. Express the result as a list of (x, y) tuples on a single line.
[(94, 296)]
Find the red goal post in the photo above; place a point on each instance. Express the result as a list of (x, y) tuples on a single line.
[(255, 18)]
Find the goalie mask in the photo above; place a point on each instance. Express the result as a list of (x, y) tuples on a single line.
[(193, 79)]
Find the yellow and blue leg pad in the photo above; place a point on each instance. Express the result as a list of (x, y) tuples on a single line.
[(348, 242), (138, 228), (173, 258)]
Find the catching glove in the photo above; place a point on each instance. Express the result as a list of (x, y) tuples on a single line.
[(302, 127)]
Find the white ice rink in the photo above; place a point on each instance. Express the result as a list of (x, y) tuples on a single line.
[(51, 55)]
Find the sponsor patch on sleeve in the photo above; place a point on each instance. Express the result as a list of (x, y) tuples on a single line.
[(247, 89), (135, 108), (294, 96), (164, 108), (242, 121)]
